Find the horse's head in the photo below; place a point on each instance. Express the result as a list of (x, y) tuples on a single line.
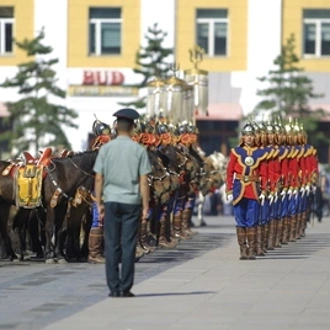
[(67, 174)]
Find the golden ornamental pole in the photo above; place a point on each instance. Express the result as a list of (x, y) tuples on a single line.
[(199, 80)]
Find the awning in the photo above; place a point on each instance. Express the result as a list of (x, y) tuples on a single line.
[(325, 107), (3, 110), (223, 111)]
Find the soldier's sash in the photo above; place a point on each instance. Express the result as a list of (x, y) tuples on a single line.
[(28, 181)]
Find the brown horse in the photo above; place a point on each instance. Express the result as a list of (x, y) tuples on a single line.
[(64, 176)]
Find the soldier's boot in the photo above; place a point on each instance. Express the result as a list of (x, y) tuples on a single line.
[(267, 226), (95, 241), (177, 223), (263, 239), (285, 229), (174, 237), (241, 238), (259, 242), (143, 237), (292, 233), (275, 224), (270, 242), (162, 241), (251, 238), (298, 225), (186, 217), (279, 233), (304, 224), (139, 252), (179, 231)]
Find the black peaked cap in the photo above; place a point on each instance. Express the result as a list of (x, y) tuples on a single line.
[(127, 113)]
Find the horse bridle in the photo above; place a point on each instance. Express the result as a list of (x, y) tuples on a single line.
[(58, 188), (80, 169)]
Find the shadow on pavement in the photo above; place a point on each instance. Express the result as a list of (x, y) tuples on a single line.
[(301, 248), (164, 294)]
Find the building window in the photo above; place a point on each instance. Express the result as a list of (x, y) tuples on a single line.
[(105, 31), (317, 32), (6, 30), (212, 31)]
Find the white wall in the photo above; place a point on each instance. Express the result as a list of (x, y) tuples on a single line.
[(264, 44), (162, 12), (53, 16)]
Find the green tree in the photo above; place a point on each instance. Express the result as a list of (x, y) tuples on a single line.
[(36, 121), (150, 61), (289, 92)]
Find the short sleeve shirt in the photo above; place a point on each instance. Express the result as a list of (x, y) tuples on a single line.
[(121, 162)]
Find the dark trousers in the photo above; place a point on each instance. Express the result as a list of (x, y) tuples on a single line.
[(121, 226)]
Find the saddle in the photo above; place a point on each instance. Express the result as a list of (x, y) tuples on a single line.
[(27, 159)]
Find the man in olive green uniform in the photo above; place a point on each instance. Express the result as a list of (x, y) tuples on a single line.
[(121, 168)]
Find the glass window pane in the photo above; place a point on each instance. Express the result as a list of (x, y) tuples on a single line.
[(105, 12), (317, 13), (309, 38), (8, 37), (212, 13), (325, 39), (92, 40), (203, 36), (220, 38), (6, 12), (110, 38)]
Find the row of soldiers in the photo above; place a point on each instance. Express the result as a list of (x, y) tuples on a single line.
[(270, 178), (185, 170)]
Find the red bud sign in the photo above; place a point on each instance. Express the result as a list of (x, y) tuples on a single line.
[(103, 78)]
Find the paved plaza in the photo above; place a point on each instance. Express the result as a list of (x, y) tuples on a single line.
[(199, 285)]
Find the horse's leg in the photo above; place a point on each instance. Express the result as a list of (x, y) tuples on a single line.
[(49, 233), (33, 229), (85, 227), (17, 229), (4, 218), (61, 232)]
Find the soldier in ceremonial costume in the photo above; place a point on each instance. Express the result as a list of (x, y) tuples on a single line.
[(306, 164), (273, 166), (246, 188), (276, 181), (102, 132), (282, 185), (293, 172), (261, 141)]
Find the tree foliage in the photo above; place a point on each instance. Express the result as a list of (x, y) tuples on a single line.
[(289, 92), (150, 61), (36, 121)]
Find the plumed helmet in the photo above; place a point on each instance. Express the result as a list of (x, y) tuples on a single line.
[(277, 127), (248, 129), (270, 127), (191, 128), (161, 114), (255, 126), (149, 128), (161, 128), (140, 126), (180, 129), (289, 126), (262, 127), (171, 127), (100, 128), (296, 127)]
